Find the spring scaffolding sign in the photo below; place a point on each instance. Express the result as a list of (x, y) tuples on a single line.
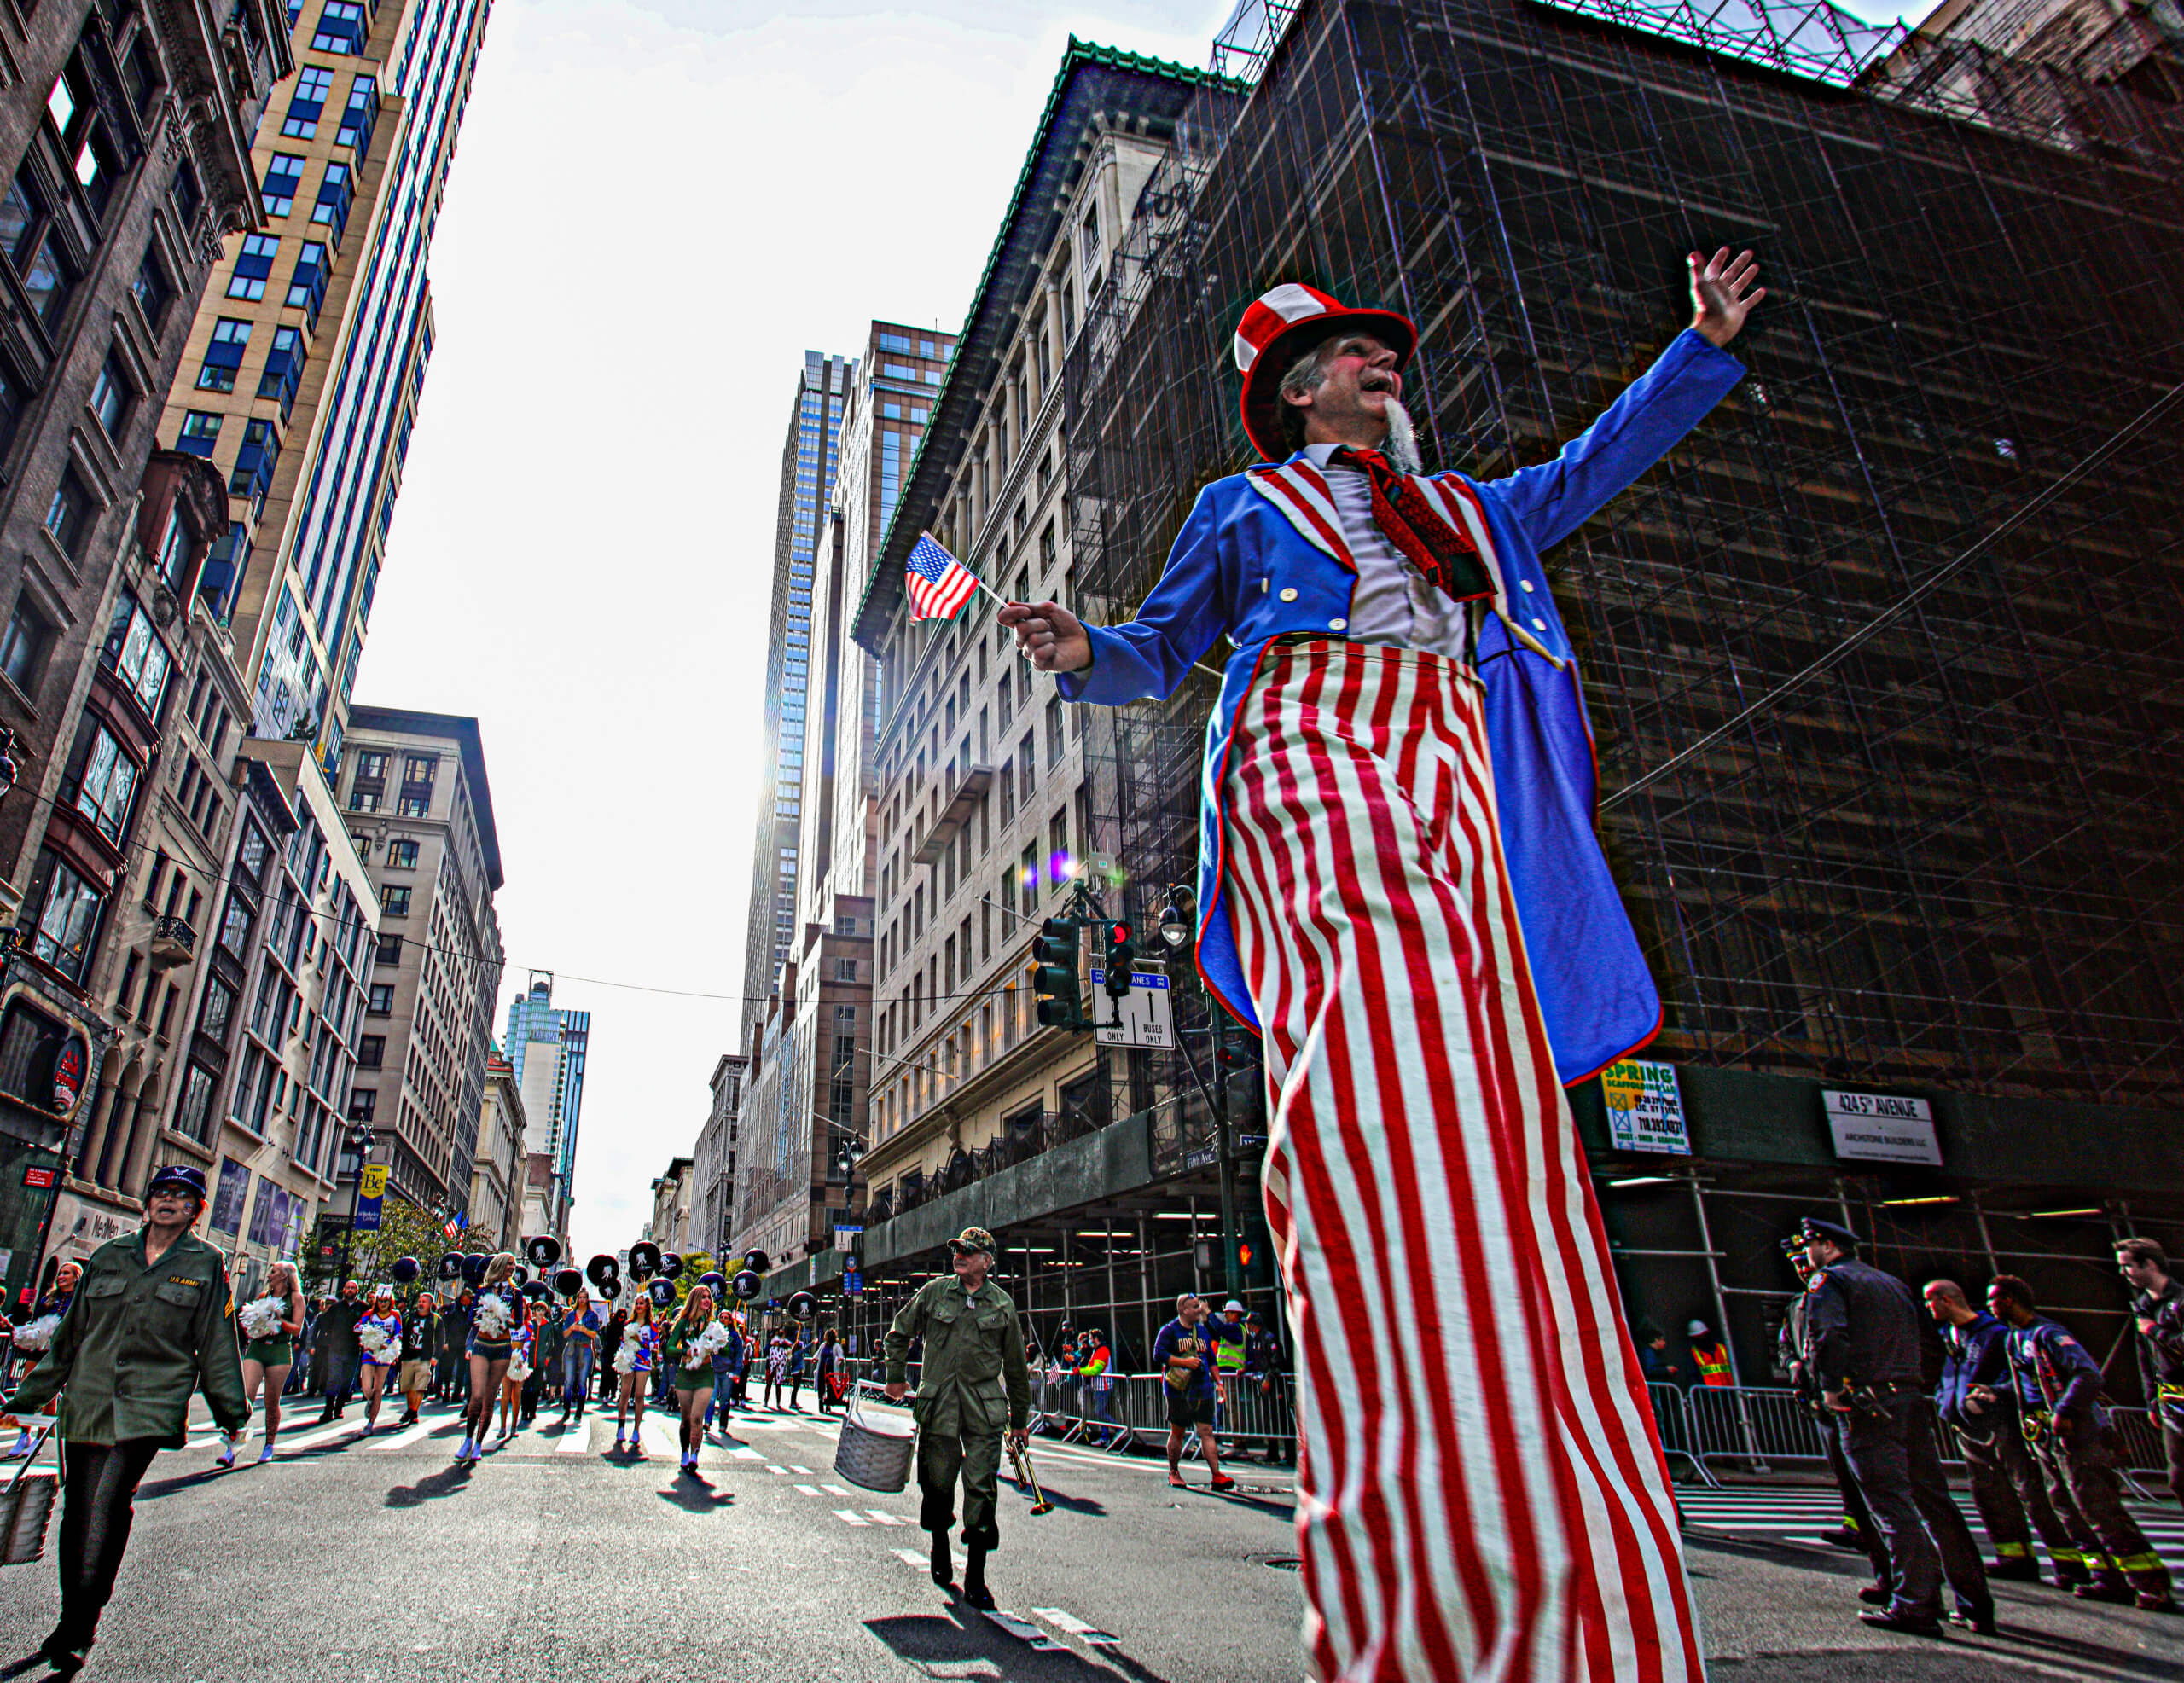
[(1644, 1107)]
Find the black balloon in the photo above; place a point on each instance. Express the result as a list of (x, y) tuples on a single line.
[(520, 1275), (757, 1262), (611, 1289), (601, 1270), (474, 1269), (714, 1282), (671, 1266), (406, 1269), (663, 1294), (543, 1251), (803, 1306), (644, 1260), (537, 1291), (568, 1282), (451, 1266)]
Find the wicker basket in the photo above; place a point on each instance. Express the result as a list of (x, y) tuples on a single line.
[(869, 1458), (26, 1511)]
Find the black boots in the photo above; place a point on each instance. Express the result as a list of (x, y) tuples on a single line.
[(974, 1581), (944, 1566)]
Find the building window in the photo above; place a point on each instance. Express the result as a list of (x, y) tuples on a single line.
[(217, 1013), (68, 516), (371, 1051), (365, 800), (253, 263), (284, 176), (28, 237), (1027, 772), (284, 366), (255, 462), (313, 82), (67, 919), (402, 856), (194, 1114), (224, 355), (200, 432), (414, 806), (389, 949), (360, 117), (341, 28), (23, 645), (307, 286), (335, 193), (151, 290), (174, 550), (361, 1103), (134, 652), (394, 900), (382, 1000), (111, 397), (108, 785)]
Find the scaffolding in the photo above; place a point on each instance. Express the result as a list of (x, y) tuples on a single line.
[(1952, 859)]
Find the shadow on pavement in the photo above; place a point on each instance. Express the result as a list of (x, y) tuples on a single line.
[(181, 1481), (963, 1635), (429, 1488), (1067, 1503), (697, 1496)]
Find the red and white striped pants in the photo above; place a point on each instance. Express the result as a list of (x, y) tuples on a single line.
[(1481, 1491)]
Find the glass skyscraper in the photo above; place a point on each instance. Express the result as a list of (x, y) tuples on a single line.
[(546, 1047)]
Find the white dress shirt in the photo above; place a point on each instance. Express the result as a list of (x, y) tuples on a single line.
[(1394, 603)]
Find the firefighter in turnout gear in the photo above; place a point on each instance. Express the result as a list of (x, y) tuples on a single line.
[(2158, 1312), (2059, 1399), (1979, 1404), (975, 1383), (1863, 1327)]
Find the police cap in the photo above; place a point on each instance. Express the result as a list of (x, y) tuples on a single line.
[(1812, 1228)]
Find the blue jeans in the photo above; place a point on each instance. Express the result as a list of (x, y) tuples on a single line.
[(340, 1376), (576, 1357)]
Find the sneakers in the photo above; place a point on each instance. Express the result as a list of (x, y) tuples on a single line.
[(690, 1461), (367, 1431), (1910, 1624), (1223, 1483), (265, 1454), (469, 1450), (226, 1457), (22, 1446)]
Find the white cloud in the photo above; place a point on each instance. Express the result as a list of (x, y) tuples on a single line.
[(655, 211)]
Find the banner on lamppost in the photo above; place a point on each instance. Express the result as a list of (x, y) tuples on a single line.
[(1644, 1107), (371, 1189)]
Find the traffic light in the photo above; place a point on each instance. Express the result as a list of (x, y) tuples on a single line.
[(1253, 1249), (1054, 976), (1121, 955)]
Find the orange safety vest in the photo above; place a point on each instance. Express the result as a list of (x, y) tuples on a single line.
[(1713, 1364)]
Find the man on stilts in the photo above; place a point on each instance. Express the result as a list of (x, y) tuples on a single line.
[(1398, 807)]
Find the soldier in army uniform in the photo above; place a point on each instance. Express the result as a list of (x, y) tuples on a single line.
[(152, 1321), (973, 1384), (1863, 1331)]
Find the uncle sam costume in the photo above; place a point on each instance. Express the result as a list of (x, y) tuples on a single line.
[(1400, 887)]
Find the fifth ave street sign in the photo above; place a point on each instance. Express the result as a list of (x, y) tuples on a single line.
[(1882, 1127)]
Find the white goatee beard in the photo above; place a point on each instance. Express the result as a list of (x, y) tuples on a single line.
[(1401, 446)]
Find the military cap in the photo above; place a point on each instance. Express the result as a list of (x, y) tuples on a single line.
[(1812, 1228), (972, 1239), (187, 1177)]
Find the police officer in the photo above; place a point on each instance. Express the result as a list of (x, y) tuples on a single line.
[(152, 1322), (2158, 1310), (2058, 1397), (1858, 1532), (1977, 1401), (1863, 1333), (974, 1382)]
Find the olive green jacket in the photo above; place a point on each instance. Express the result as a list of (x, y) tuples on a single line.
[(971, 1358), (137, 1339)]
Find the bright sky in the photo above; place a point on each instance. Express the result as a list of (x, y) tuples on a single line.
[(655, 210)]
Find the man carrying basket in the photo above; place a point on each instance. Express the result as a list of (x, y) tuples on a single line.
[(974, 1381)]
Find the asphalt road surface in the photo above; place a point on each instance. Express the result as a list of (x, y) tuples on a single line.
[(557, 1560)]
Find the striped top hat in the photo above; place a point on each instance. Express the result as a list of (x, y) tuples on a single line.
[(1282, 325)]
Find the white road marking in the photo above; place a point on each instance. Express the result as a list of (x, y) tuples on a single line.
[(910, 1556), (837, 1489), (409, 1435), (882, 1517), (744, 1452), (1074, 1626), (1026, 1633), (851, 1517), (807, 1489), (806, 1472), (575, 1440), (782, 1471)]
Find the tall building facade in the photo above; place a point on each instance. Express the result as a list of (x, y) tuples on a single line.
[(792, 1173), (497, 1169), (807, 484), (420, 812), (712, 1158), (125, 134), (547, 1046), (307, 359)]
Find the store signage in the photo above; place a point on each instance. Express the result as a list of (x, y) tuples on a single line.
[(39, 1177), (1882, 1127), (68, 1075), (1644, 1107)]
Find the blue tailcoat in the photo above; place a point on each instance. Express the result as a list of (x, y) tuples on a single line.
[(1237, 557)]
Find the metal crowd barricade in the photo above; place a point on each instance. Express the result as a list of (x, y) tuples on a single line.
[(1758, 1429), (1673, 1420), (1117, 1409), (2138, 1442)]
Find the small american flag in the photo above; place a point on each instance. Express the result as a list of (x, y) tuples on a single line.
[(939, 584)]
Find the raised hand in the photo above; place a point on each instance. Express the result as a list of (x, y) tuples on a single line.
[(1052, 637), (1720, 299)]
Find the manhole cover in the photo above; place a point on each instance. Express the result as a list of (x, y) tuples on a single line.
[(1284, 1563)]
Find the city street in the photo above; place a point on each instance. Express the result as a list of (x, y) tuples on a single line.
[(555, 1560)]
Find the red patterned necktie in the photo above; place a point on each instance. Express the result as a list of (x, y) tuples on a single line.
[(1443, 554)]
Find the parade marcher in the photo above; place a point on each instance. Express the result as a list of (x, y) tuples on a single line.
[(1863, 1333), (421, 1342), (545, 1357), (379, 1343), (580, 1331), (2059, 1401), (451, 1378), (54, 1303), (973, 1389), (799, 1365), (727, 1370), (1710, 1356), (153, 1320), (827, 1383), (688, 1349), (776, 1368), (337, 1341), (610, 1341), (1401, 786), (266, 1361), (2158, 1312), (1858, 1532), (1979, 1404), (496, 1317), (1184, 1352), (633, 1364)]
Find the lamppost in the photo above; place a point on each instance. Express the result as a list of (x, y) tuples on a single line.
[(360, 1141), (1175, 932)]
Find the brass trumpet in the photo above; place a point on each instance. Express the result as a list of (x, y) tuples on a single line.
[(1024, 1476)]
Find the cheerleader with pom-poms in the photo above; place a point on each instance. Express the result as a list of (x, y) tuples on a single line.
[(493, 1323), (693, 1340), (269, 1323), (633, 1362), (379, 1338)]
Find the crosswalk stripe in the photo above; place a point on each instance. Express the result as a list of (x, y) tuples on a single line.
[(910, 1556), (851, 1517), (744, 1452), (575, 1438), (1769, 1512), (806, 1472), (882, 1517), (782, 1472), (1076, 1627), (1025, 1632), (807, 1489), (409, 1435), (837, 1489)]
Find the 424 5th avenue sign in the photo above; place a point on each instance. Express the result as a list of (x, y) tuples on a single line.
[(1882, 1127)]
